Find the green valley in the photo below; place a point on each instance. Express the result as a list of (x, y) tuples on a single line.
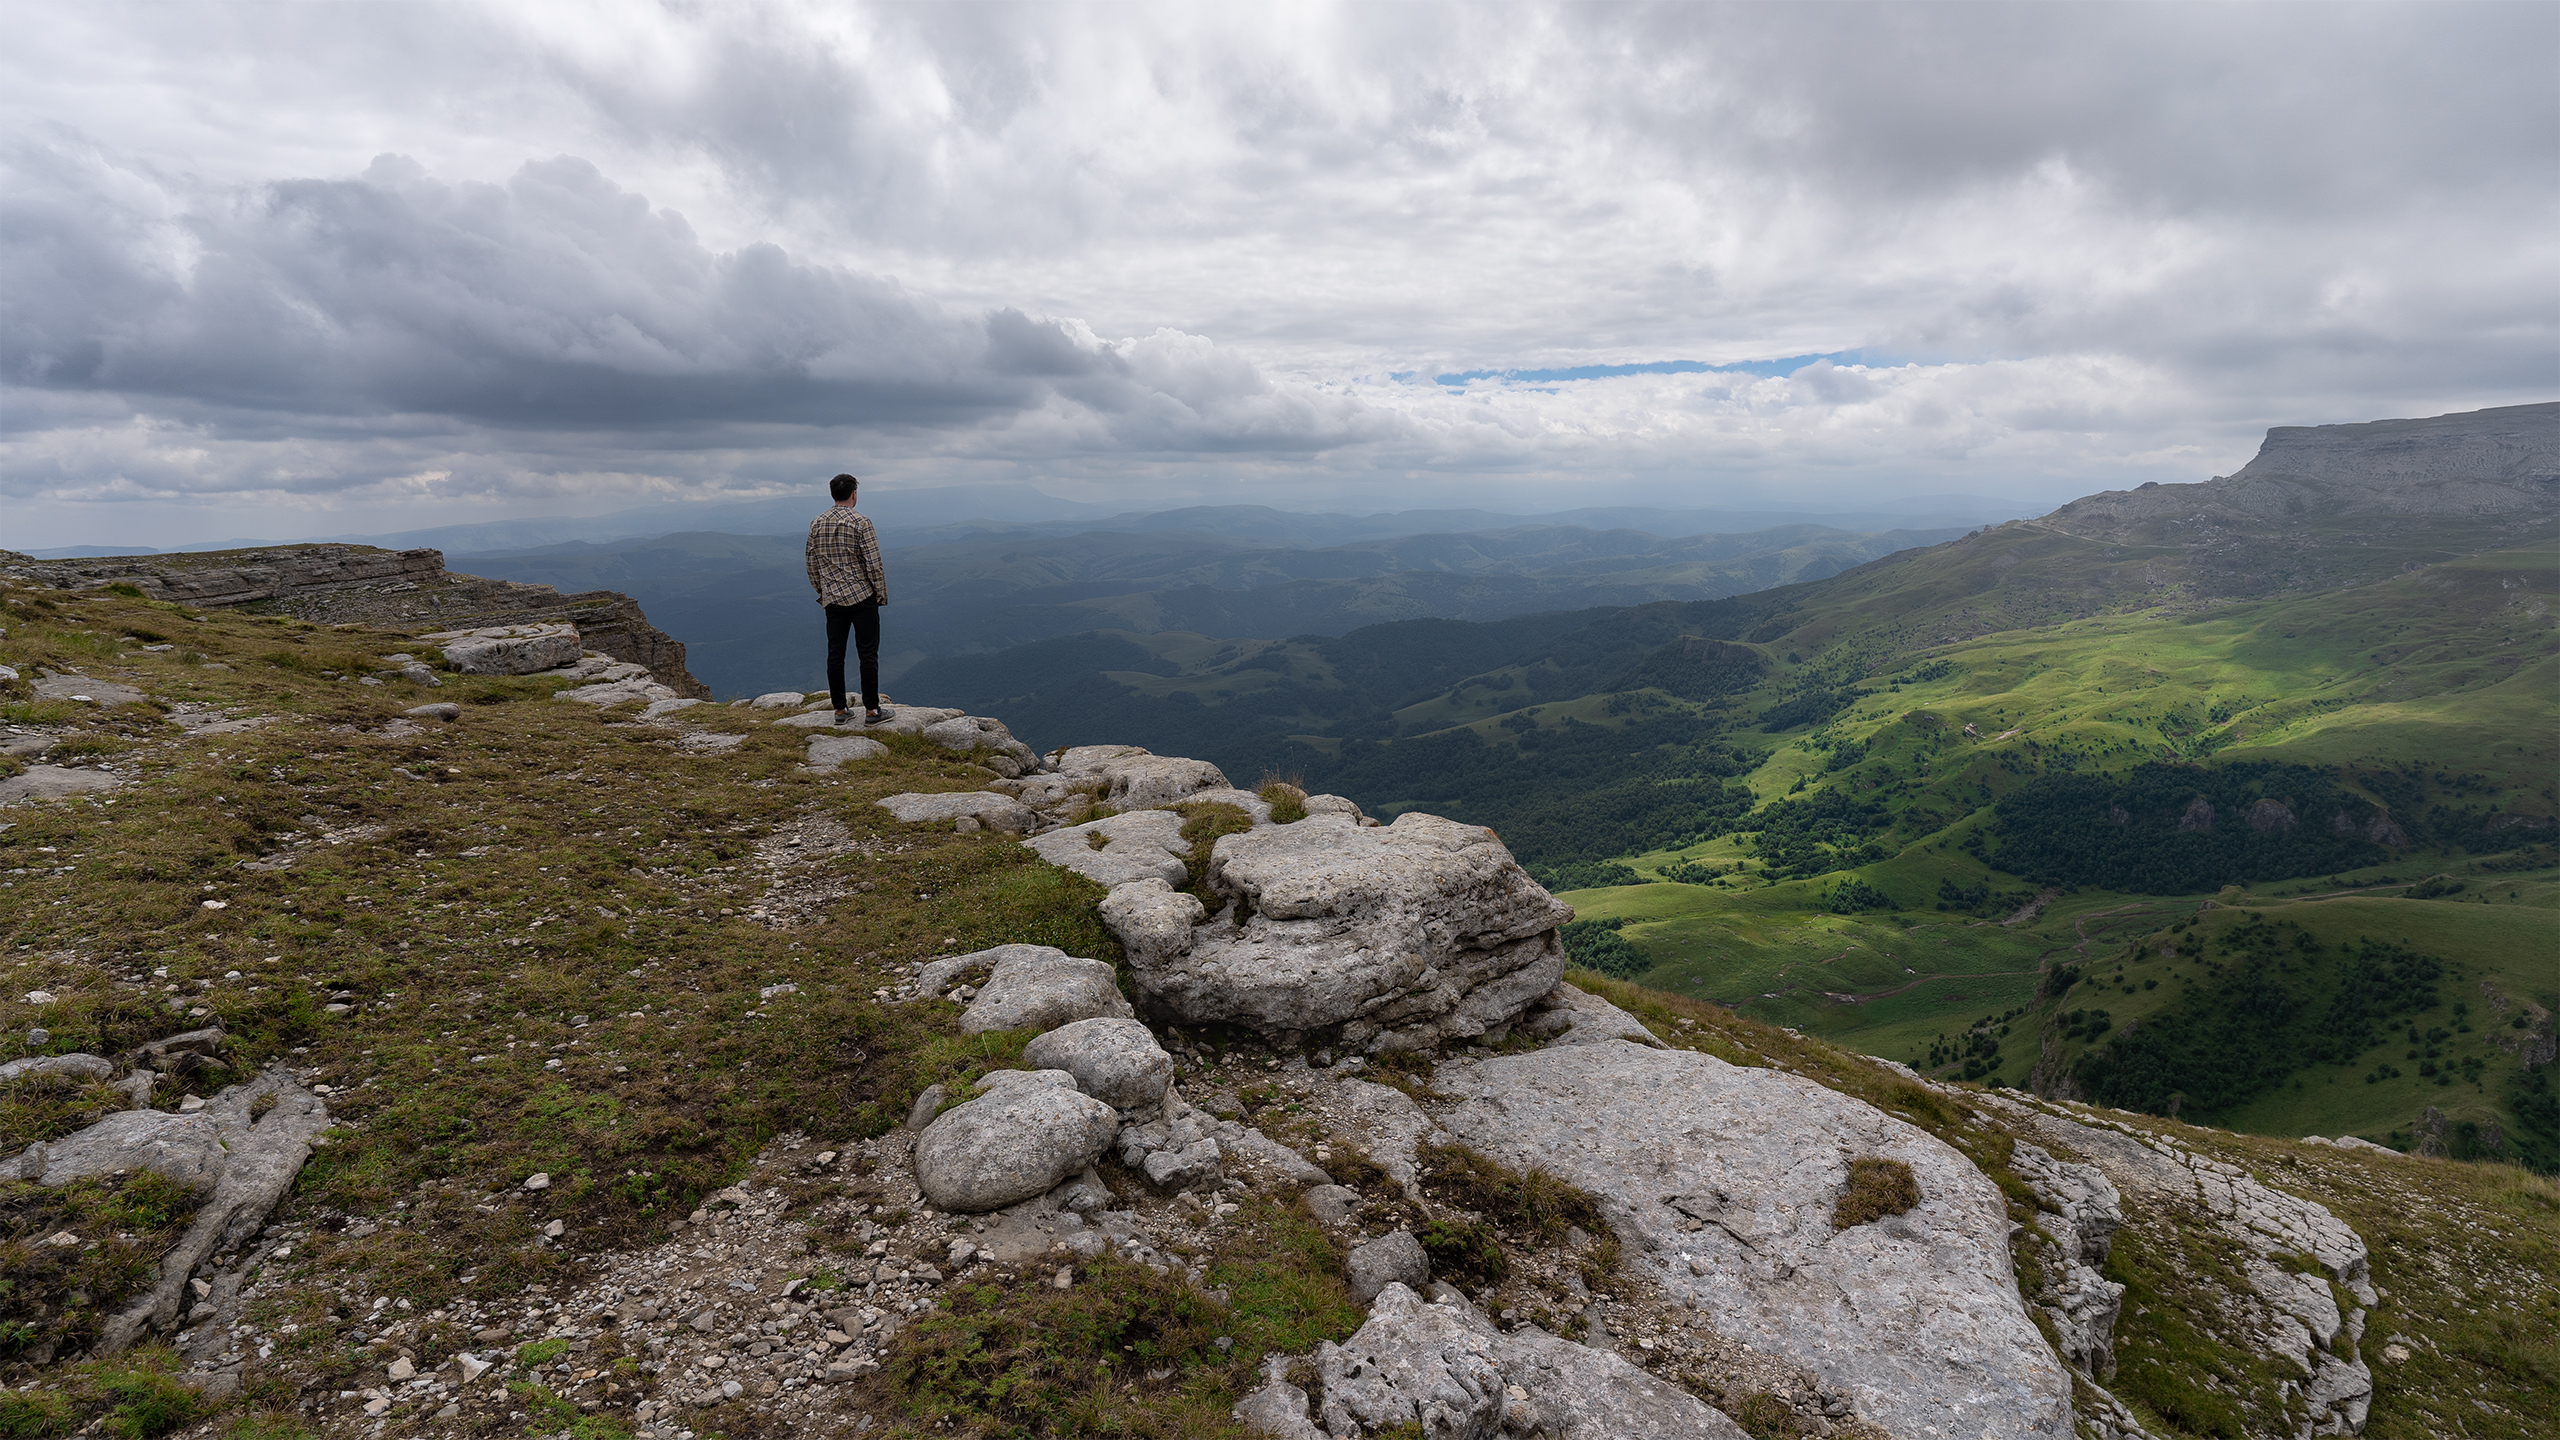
[(2025, 807)]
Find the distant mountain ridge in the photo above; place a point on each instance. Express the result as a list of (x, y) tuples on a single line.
[(975, 589)]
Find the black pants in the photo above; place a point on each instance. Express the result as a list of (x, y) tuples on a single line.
[(864, 621)]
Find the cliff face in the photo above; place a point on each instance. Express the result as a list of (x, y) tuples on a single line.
[(403, 589), (2493, 465)]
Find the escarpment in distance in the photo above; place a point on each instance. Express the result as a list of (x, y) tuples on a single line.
[(408, 590)]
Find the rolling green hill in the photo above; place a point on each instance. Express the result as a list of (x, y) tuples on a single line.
[(1920, 805)]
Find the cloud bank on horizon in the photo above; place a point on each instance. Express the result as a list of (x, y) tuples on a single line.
[(292, 270)]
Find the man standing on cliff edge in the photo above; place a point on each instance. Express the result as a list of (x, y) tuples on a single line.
[(844, 568)]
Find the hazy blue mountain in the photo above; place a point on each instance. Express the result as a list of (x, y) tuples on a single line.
[(742, 603)]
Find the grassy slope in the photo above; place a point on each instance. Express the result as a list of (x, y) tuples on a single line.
[(2451, 666), (547, 940), (574, 868)]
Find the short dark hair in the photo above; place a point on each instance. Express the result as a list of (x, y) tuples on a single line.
[(841, 487)]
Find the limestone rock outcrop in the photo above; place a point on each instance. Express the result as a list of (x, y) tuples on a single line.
[(1125, 777), (1721, 1183), (400, 589), (1040, 987), (1400, 935), (508, 649), (2288, 1314)]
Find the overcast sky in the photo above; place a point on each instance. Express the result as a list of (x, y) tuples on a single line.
[(282, 270)]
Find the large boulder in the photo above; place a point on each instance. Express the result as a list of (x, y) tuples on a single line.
[(1128, 778), (1040, 987), (508, 649), (1117, 849), (1018, 1140), (1115, 1061), (1444, 1368), (1402, 935), (1916, 1316), (999, 751)]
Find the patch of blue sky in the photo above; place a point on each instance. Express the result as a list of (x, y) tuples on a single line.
[(1768, 369)]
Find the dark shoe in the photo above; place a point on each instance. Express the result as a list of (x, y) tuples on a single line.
[(875, 717), (844, 716)]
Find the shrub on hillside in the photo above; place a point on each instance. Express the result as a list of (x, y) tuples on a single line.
[(1597, 945)]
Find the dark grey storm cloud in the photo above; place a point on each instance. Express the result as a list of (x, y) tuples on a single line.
[(310, 261), (554, 299)]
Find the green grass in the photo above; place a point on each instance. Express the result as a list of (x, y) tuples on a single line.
[(574, 873), (1124, 1352)]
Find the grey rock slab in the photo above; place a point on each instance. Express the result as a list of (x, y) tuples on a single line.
[(778, 700), (257, 1158), (1570, 1015), (508, 649), (821, 720), (84, 1067), (1405, 934), (999, 812), (444, 710), (1040, 987), (56, 782), (1135, 846), (1447, 1369), (1011, 1144), (81, 687), (2088, 1208), (183, 1148), (659, 709), (826, 752), (1115, 1061), (1133, 779), (1395, 1258), (2086, 1211), (1917, 1316)]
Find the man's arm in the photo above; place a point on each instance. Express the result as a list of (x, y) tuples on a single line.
[(871, 563), (810, 553)]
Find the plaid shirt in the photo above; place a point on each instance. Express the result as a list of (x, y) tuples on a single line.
[(844, 558)]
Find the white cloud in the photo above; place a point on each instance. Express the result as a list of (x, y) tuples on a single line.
[(1140, 252)]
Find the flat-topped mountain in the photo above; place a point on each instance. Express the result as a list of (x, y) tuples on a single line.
[(2491, 465)]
